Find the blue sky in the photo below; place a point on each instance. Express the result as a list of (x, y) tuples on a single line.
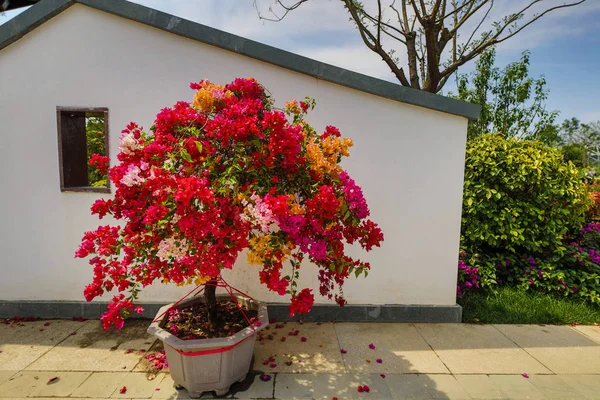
[(565, 45)]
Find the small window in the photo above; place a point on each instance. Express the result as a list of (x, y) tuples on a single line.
[(81, 133)]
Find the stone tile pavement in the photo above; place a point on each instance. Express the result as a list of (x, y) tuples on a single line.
[(408, 361)]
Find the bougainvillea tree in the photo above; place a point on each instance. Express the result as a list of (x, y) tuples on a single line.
[(222, 174)]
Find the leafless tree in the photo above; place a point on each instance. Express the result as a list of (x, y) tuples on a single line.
[(429, 30)]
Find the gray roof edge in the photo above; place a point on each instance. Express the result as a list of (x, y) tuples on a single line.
[(46, 9), (22, 24)]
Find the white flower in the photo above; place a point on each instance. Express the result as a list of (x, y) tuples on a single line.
[(128, 143), (132, 177), (170, 248)]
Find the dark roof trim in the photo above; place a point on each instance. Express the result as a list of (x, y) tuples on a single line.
[(6, 5), (46, 9)]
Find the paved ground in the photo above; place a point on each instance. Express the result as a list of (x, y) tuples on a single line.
[(409, 361)]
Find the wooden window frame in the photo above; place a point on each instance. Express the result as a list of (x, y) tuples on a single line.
[(59, 111)]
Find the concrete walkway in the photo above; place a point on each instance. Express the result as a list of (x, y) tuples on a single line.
[(408, 361)]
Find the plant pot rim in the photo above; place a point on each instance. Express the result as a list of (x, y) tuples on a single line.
[(214, 343)]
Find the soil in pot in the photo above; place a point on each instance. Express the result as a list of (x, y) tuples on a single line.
[(191, 322)]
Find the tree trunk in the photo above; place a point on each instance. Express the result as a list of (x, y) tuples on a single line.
[(211, 301)]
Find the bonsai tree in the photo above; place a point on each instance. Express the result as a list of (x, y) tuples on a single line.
[(225, 173)]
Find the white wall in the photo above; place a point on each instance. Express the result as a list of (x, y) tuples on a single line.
[(409, 160)]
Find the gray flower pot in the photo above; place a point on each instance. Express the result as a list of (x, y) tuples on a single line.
[(228, 360)]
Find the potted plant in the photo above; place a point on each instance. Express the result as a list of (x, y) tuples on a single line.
[(226, 173)]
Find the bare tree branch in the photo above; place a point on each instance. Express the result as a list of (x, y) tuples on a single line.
[(375, 46), (468, 42), (426, 29), (286, 8), (538, 17)]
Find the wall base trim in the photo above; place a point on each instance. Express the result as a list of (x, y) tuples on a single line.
[(277, 311)]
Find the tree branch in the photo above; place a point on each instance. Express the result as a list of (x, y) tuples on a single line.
[(466, 45), (374, 45), (538, 17), (494, 39), (286, 8)]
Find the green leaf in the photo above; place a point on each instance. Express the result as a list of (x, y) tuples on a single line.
[(185, 155), (199, 146)]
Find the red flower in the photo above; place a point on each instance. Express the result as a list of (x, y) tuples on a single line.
[(302, 302), (100, 163)]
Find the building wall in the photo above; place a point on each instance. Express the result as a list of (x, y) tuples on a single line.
[(408, 159)]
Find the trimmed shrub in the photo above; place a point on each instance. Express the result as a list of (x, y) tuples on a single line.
[(520, 197), (575, 153)]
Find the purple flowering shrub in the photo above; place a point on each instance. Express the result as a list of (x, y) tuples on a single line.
[(474, 274), (468, 278), (574, 273)]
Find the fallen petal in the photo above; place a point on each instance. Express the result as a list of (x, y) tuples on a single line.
[(123, 390), (265, 378), (343, 351), (372, 346), (303, 339), (525, 376), (379, 361)]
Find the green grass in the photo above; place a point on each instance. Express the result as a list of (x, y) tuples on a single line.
[(511, 306)]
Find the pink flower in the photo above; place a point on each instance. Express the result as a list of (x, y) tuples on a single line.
[(139, 309)]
